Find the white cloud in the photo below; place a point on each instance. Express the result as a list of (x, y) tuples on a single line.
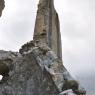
[(17, 23)]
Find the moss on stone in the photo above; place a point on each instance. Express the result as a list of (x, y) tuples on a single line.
[(71, 84)]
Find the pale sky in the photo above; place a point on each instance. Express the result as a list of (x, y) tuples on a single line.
[(77, 20)]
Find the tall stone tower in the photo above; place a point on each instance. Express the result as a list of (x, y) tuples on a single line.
[(47, 28)]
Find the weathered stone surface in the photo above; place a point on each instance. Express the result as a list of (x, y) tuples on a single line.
[(2, 5), (7, 57), (28, 78), (48, 60), (38, 69), (47, 28), (6, 61), (4, 70)]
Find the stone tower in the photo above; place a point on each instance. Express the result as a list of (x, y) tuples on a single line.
[(47, 28)]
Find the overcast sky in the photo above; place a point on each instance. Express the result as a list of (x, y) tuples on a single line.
[(77, 20)]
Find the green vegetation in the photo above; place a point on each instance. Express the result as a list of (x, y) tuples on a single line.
[(70, 84)]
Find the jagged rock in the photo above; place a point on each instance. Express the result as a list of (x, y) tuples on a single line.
[(4, 70), (67, 92), (28, 78), (38, 68), (2, 5), (35, 72), (6, 62), (7, 57)]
